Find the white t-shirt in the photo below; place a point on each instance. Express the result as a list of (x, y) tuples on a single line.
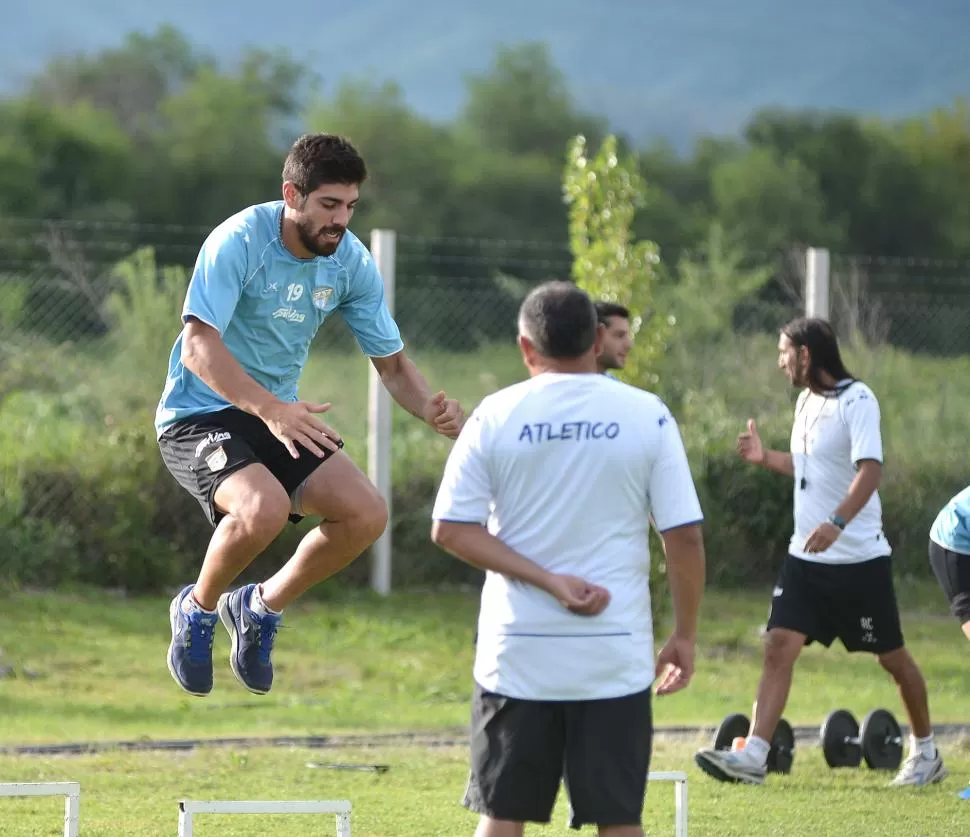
[(829, 436), (565, 469)]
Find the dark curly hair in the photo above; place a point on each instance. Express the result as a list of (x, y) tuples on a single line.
[(315, 159)]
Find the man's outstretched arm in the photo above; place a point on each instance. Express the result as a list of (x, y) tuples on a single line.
[(409, 388)]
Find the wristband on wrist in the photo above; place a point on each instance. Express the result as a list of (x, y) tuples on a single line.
[(837, 520)]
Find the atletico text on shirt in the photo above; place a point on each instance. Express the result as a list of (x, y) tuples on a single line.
[(567, 469)]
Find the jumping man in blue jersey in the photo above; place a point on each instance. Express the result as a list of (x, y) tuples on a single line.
[(231, 428)]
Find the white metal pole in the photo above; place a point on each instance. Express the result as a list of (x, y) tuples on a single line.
[(383, 249), (817, 283)]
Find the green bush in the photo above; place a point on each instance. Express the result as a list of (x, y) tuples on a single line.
[(84, 497)]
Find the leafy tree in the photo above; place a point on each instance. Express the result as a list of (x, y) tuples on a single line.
[(603, 194)]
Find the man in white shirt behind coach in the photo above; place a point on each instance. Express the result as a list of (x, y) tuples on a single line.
[(551, 488)]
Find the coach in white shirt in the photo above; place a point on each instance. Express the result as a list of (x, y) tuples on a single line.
[(837, 580), (550, 489)]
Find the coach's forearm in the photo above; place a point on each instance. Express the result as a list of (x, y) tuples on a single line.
[(686, 569), (475, 545), (778, 461), (206, 356)]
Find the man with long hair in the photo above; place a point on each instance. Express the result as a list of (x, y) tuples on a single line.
[(836, 581)]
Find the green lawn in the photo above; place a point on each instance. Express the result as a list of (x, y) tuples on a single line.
[(90, 665), (136, 795)]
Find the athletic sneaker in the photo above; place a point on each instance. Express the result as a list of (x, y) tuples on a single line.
[(252, 639), (731, 766), (918, 771), (190, 653)]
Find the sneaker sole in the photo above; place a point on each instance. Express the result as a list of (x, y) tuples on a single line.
[(225, 616), (715, 771), (172, 611)]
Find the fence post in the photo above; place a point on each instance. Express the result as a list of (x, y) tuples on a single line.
[(383, 248), (817, 283)]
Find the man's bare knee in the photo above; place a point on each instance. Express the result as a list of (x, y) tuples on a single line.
[(782, 649), (898, 663), (261, 511), (370, 518)]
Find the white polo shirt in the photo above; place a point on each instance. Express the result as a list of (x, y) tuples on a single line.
[(565, 469), (830, 435)]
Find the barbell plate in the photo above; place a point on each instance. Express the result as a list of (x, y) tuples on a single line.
[(733, 726), (882, 740), (838, 726), (782, 752)]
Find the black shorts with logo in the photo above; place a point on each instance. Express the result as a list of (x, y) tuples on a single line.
[(202, 450), (522, 749), (952, 570), (855, 603)]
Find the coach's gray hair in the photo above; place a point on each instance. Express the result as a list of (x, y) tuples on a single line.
[(559, 319)]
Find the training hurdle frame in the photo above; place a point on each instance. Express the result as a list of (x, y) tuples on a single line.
[(340, 808), (679, 778), (71, 791)]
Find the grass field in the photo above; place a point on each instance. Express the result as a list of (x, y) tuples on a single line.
[(136, 795), (89, 666)]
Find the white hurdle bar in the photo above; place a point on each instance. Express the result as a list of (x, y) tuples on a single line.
[(340, 808), (680, 797), (71, 791)]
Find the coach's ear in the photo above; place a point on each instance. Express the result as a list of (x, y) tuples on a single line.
[(600, 337), (529, 353)]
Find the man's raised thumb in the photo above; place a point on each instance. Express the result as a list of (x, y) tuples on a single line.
[(752, 427)]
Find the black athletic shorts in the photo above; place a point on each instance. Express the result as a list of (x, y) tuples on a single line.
[(855, 603), (952, 570), (522, 749), (202, 450)]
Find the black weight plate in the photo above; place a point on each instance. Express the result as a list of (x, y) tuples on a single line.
[(838, 726), (733, 726), (782, 752), (882, 740)]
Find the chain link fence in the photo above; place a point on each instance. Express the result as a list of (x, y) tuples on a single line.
[(89, 311)]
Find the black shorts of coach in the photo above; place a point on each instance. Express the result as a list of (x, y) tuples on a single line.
[(855, 603), (952, 570), (522, 749), (203, 450)]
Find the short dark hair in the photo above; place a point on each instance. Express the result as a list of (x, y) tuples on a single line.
[(605, 310), (315, 159), (559, 319), (818, 336)]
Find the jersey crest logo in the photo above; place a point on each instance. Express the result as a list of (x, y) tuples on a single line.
[(321, 296)]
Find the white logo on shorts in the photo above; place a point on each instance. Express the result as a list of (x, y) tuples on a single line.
[(211, 439), (217, 459), (777, 592)]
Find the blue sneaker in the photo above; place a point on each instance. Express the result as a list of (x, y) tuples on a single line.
[(190, 654), (252, 640), (965, 793)]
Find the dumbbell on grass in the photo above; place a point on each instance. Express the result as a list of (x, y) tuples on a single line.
[(880, 741), (734, 728)]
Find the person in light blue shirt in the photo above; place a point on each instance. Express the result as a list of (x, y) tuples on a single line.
[(231, 428), (949, 550)]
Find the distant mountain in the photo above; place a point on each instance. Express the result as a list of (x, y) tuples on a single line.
[(655, 68)]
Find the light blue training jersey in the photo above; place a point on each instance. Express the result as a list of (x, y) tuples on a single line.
[(268, 305), (951, 529)]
